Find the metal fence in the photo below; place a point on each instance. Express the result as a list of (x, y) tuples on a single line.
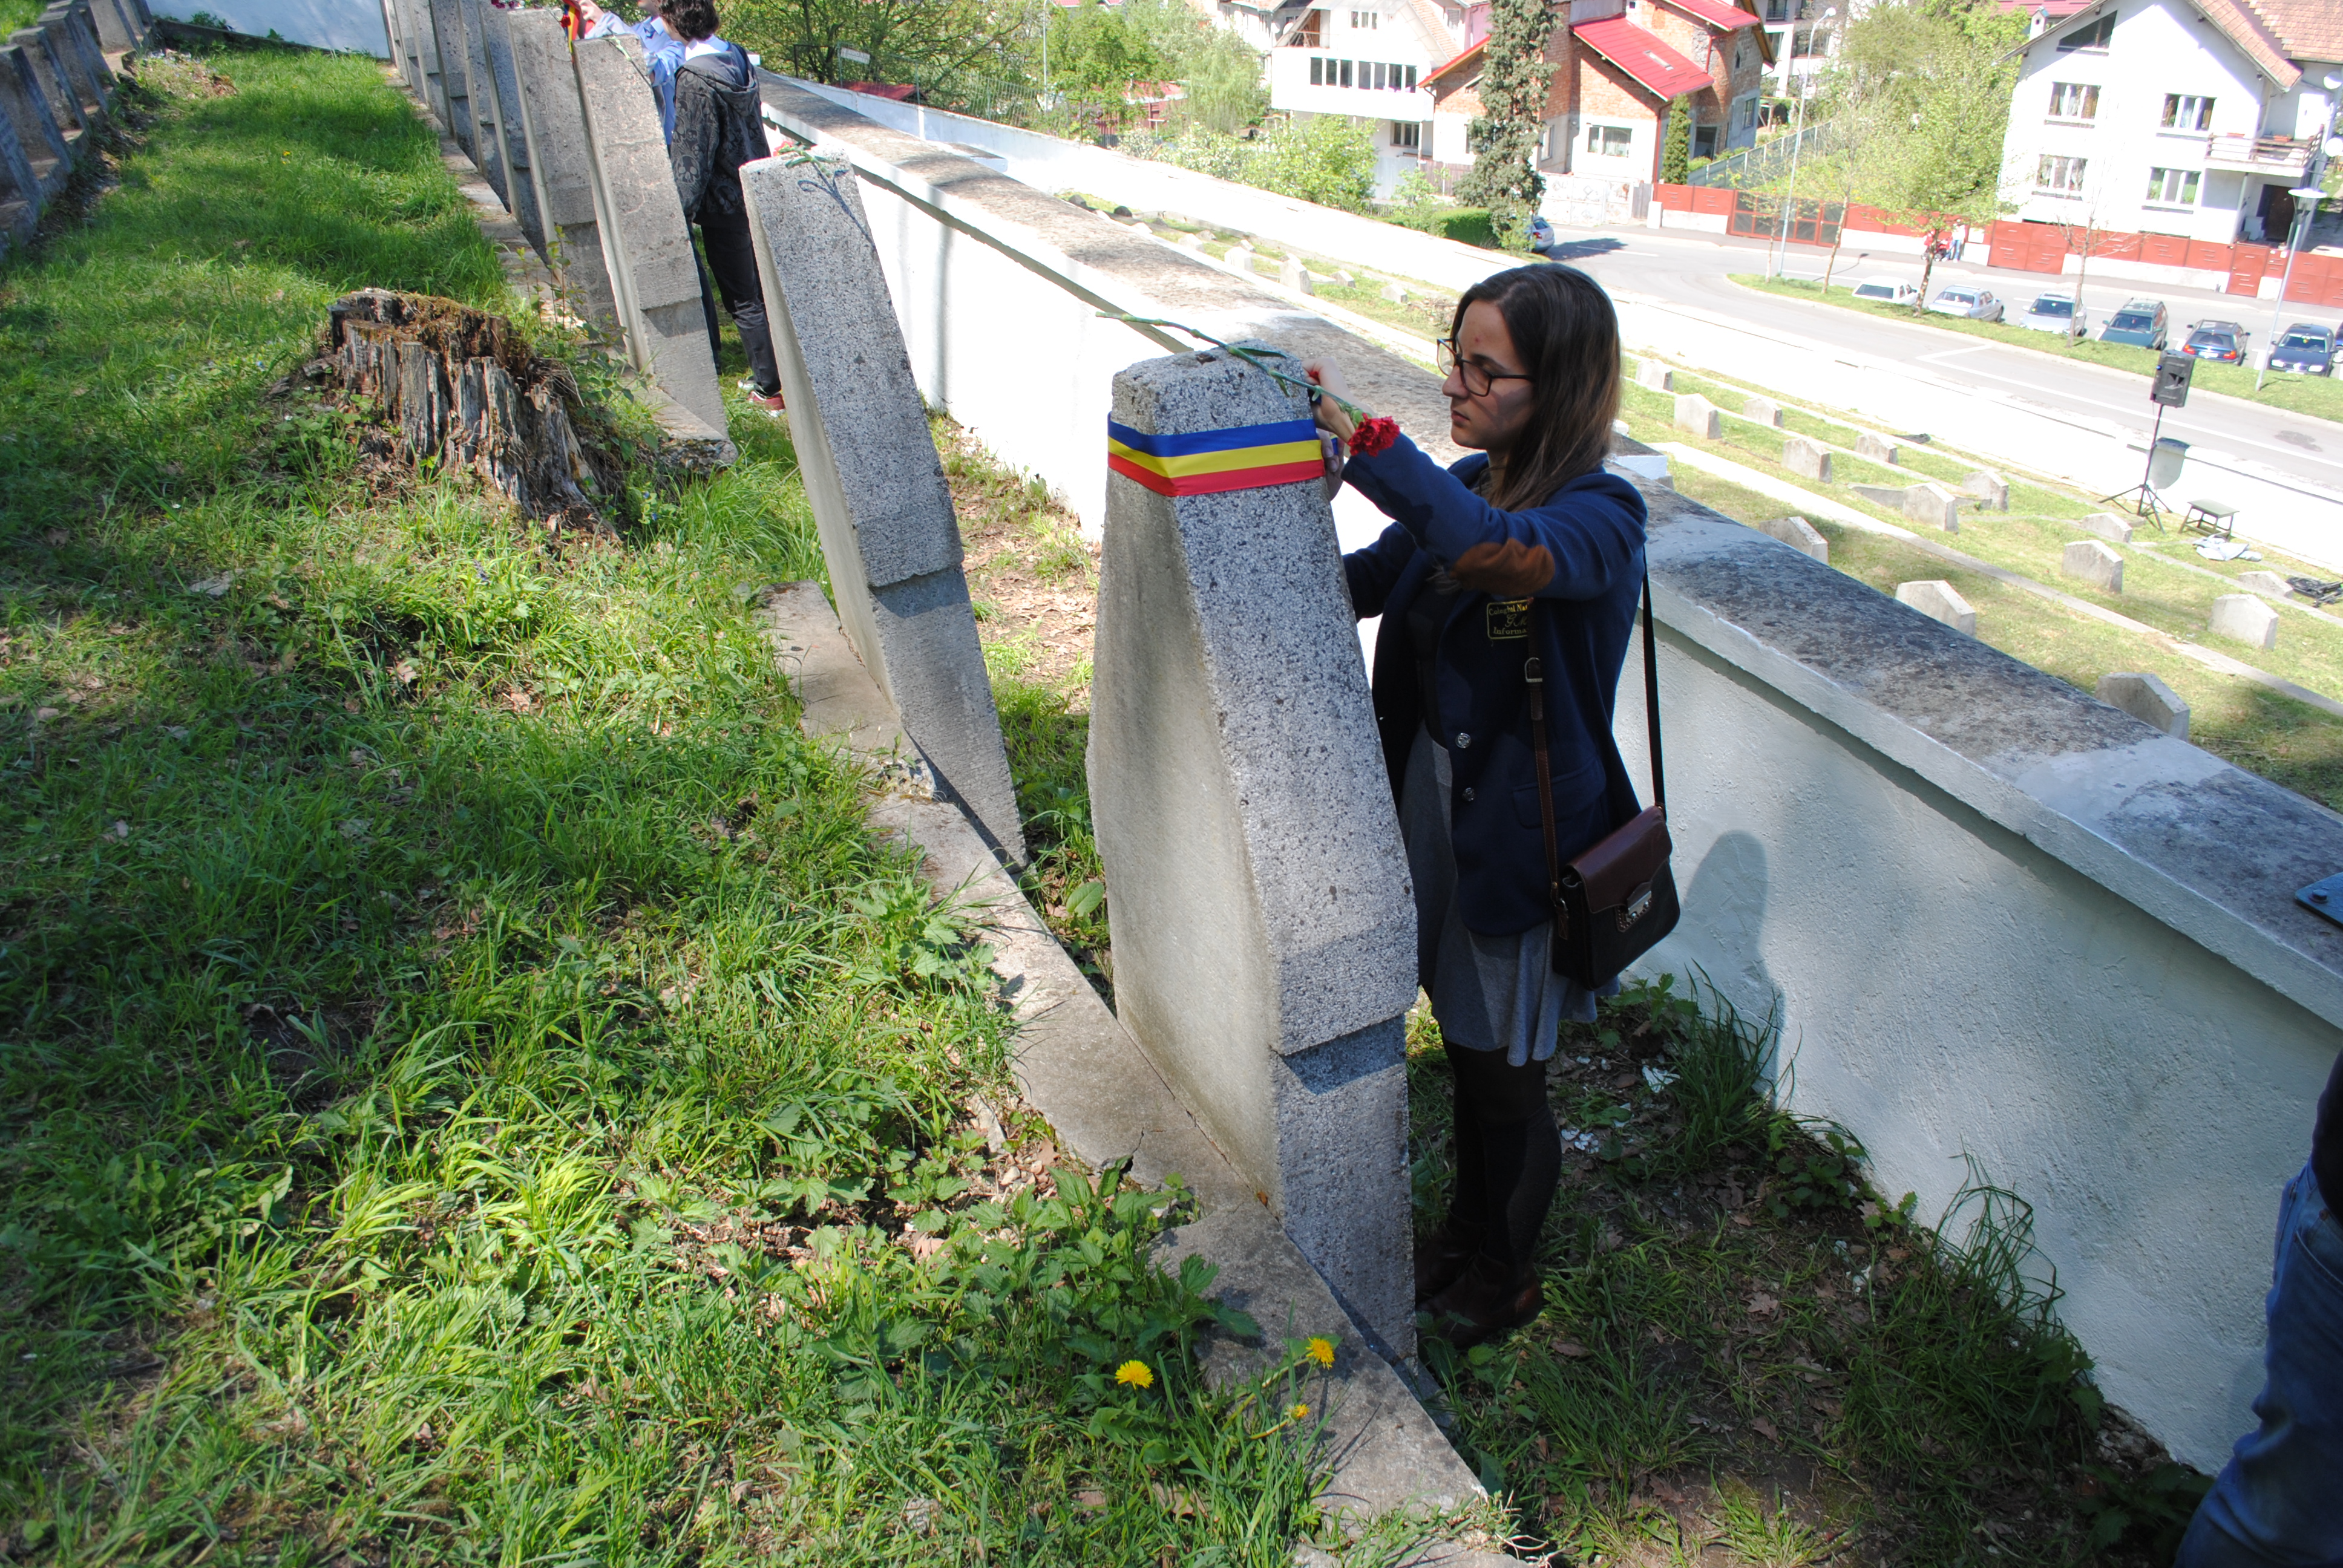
[(1767, 162)]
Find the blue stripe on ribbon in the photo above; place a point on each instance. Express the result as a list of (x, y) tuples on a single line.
[(1197, 441)]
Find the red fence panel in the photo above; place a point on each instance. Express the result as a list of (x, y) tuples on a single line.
[(2028, 247), (1675, 198), (1713, 199), (2316, 280), (2206, 256)]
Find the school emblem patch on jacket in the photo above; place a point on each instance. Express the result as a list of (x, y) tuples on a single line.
[(1508, 619)]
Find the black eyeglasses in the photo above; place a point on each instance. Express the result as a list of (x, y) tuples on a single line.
[(1476, 381)]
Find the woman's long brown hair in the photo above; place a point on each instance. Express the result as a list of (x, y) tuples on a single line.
[(1564, 329)]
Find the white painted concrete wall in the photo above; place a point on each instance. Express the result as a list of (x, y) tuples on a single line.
[(353, 24), (1965, 968)]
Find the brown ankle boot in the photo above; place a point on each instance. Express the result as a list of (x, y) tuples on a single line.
[(1441, 1258), (1485, 1301)]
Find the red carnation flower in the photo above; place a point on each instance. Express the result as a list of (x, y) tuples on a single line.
[(1373, 435)]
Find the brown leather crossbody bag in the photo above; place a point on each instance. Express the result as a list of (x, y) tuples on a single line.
[(1615, 899)]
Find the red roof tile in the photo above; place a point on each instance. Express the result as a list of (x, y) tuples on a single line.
[(1639, 52), (1719, 14)]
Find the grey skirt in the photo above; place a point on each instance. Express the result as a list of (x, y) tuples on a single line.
[(1488, 993)]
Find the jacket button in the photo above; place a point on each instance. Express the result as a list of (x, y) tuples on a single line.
[(1468, 794), (1462, 741)]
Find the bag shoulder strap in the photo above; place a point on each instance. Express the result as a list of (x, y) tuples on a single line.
[(1533, 676), (1652, 698)]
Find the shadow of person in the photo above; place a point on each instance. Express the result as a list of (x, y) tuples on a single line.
[(1721, 937)]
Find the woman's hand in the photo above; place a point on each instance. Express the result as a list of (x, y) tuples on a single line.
[(1331, 416)]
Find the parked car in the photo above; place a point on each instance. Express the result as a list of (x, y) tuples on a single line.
[(2057, 313), (1540, 233), (1887, 291), (2142, 323), (1977, 304), (2305, 349), (2223, 340)]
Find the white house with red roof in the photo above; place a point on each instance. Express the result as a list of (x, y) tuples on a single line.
[(2190, 118), (1368, 60), (1619, 65)]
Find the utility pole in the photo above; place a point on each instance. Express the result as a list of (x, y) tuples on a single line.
[(1797, 146)]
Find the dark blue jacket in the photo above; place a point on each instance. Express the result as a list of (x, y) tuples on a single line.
[(1581, 555)]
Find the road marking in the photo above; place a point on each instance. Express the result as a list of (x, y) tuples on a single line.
[(1955, 353)]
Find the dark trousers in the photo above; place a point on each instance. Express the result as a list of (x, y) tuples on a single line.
[(732, 258)]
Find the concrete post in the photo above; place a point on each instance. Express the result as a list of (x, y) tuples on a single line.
[(480, 84), (560, 167), (646, 244), (879, 498), (1264, 932), (27, 111), (512, 140), (77, 40), (20, 189), (423, 30), (84, 75), (447, 38), (116, 31), (39, 55)]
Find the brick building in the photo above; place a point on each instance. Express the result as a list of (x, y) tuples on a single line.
[(1618, 66)]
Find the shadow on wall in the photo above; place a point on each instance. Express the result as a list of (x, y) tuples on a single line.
[(1720, 938), (321, 24)]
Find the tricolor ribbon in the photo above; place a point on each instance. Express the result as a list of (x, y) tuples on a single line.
[(1204, 462)]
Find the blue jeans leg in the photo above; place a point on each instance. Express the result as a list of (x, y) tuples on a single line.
[(2278, 1503)]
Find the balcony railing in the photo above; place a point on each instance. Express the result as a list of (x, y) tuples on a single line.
[(2286, 155)]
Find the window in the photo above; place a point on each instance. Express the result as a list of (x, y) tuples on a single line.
[(1609, 141), (1317, 70), (1736, 57), (1364, 21), (2060, 175), (1748, 115), (2186, 113), (1406, 136), (1311, 33), (2177, 186), (2089, 36), (1704, 141), (2074, 101), (1346, 71), (1411, 78)]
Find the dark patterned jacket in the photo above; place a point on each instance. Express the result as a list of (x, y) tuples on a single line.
[(718, 127)]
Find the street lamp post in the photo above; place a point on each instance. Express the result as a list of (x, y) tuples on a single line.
[(2307, 198), (1797, 148)]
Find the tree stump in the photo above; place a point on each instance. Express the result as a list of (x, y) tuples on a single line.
[(462, 386)]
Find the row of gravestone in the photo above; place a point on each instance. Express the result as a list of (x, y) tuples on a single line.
[(567, 135), (56, 88), (1263, 932)]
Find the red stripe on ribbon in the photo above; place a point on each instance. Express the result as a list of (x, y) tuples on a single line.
[(1212, 484)]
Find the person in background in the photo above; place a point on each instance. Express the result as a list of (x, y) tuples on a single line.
[(2278, 1503), (718, 127)]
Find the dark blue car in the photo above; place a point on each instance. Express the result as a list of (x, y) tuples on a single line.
[(2305, 349)]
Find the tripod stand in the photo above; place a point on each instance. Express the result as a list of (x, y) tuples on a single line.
[(2142, 496)]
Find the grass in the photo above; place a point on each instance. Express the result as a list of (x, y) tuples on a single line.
[(2318, 396), (17, 14), (471, 1084), (1747, 1357), (2166, 585)]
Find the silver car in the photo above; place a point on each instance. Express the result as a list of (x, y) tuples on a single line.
[(1963, 299), (1887, 291), (2057, 313)]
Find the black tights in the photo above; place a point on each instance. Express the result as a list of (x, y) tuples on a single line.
[(1508, 1155)]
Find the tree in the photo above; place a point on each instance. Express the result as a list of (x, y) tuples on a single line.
[(1675, 151), (1223, 81), (954, 50), (1504, 140)]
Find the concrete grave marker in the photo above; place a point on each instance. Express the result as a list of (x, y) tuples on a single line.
[(559, 165), (2245, 617), (38, 57), (1396, 293), (1799, 534), (1265, 932), (2270, 583), (82, 85), (512, 139), (1878, 449), (2095, 563), (455, 76), (1765, 410), (424, 39), (1295, 275), (878, 489), (1702, 417), (1808, 460), (1988, 487), (1192, 241), (77, 45), (2108, 526), (115, 31), (1938, 600), (1240, 256), (27, 108), (1651, 373), (2148, 700), (20, 189), (1933, 506), (646, 244), (480, 85), (1888, 496)]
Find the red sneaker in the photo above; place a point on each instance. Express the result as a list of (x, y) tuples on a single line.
[(770, 402)]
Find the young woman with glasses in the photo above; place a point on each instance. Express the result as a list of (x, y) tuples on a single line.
[(1526, 549)]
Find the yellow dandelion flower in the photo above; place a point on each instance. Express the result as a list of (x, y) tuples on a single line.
[(1296, 1411), (1321, 1350), (1135, 1374)]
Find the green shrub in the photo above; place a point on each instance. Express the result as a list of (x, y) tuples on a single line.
[(1469, 225)]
